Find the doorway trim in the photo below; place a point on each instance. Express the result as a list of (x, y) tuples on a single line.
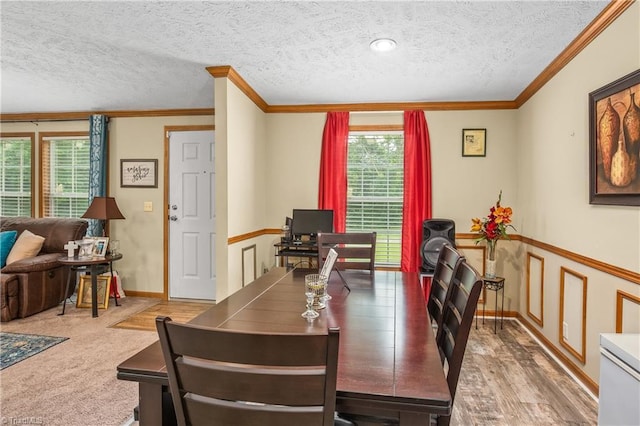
[(165, 207)]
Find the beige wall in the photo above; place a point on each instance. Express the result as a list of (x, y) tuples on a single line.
[(140, 234), (240, 153), (553, 197), (463, 187)]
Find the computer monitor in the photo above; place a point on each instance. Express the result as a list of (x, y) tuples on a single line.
[(310, 222)]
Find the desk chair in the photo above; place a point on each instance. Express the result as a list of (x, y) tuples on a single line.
[(456, 323), (448, 260), (227, 377)]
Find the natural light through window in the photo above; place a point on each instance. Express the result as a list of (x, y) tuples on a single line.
[(65, 176), (15, 176), (375, 175)]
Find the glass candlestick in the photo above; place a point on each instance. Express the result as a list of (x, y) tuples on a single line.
[(310, 313)]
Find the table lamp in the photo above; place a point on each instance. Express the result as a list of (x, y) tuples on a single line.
[(103, 208)]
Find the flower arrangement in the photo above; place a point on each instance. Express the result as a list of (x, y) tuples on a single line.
[(494, 226)]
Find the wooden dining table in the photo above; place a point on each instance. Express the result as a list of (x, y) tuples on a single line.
[(388, 362)]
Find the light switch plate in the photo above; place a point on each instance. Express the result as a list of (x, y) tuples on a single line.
[(148, 206)]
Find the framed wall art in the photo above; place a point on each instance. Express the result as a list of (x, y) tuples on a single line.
[(474, 142), (614, 142), (84, 291), (139, 173)]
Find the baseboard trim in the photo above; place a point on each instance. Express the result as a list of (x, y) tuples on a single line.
[(135, 293)]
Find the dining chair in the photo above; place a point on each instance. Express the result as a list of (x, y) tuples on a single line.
[(459, 309), (229, 377), (448, 260), (356, 250)]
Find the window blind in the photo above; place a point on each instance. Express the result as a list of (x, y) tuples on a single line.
[(375, 176), (65, 176), (15, 176)]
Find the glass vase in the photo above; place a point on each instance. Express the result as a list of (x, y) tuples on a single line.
[(490, 263)]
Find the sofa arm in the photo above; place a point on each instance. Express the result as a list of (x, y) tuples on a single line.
[(42, 262)]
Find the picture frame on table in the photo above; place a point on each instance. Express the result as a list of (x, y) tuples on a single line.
[(474, 142), (614, 142), (138, 173), (84, 291), (100, 246)]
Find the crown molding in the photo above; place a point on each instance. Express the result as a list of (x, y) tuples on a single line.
[(393, 106), (228, 72), (84, 115)]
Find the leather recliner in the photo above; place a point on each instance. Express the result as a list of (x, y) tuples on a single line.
[(32, 285)]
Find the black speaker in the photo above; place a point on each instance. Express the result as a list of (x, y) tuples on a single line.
[(435, 234)]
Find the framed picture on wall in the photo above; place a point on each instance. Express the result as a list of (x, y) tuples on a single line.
[(614, 142), (139, 173), (474, 142)]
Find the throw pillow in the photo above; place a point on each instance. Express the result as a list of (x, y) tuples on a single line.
[(27, 245), (7, 240)]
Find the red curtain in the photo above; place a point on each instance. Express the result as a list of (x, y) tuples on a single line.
[(417, 188), (332, 194)]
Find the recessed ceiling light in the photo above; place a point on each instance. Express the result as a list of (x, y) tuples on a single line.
[(383, 45)]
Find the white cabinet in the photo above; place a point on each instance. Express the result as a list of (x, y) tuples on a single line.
[(619, 379)]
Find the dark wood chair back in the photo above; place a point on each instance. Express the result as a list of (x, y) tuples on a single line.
[(456, 324), (227, 377), (356, 250), (448, 260)]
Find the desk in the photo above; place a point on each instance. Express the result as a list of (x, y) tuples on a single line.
[(388, 364), (306, 249), (95, 266)]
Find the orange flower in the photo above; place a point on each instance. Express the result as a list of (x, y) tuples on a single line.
[(494, 226)]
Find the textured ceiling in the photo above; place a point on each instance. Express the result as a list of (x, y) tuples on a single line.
[(82, 56)]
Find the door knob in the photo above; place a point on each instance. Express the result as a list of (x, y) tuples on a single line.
[(173, 218), (174, 207)]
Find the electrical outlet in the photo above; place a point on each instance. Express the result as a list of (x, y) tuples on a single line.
[(565, 330), (148, 206)]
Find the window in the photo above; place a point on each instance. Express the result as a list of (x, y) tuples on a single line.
[(15, 174), (65, 175), (375, 175)]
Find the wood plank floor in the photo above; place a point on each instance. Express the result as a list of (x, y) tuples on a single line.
[(179, 311), (508, 379)]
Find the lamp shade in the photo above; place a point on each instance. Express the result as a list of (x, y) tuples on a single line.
[(104, 208)]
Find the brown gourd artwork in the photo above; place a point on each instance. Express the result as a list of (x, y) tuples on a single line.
[(631, 131), (609, 127), (620, 166)]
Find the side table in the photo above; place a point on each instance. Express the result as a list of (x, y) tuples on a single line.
[(494, 284), (95, 266)]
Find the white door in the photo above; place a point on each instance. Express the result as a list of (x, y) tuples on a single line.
[(192, 273)]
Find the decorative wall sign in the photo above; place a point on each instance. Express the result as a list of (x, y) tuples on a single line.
[(474, 142), (614, 142), (139, 173)]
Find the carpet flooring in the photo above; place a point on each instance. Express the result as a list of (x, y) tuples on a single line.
[(74, 383), (15, 347)]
